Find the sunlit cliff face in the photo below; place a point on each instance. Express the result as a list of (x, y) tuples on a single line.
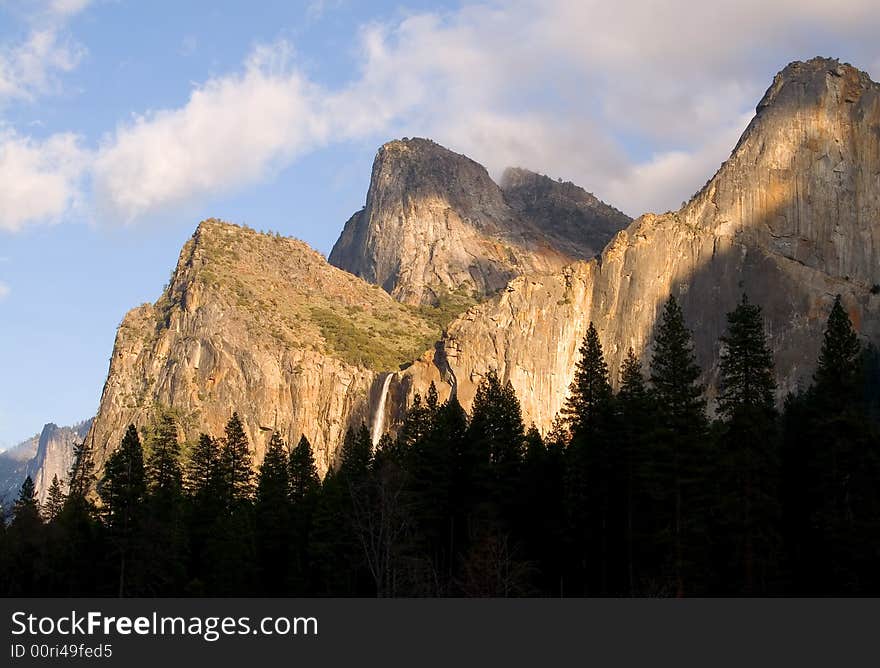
[(792, 218), (267, 327)]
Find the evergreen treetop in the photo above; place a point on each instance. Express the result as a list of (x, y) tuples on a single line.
[(747, 380)]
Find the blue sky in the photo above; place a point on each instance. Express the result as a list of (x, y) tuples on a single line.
[(122, 124)]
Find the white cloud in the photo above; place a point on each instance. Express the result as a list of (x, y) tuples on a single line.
[(31, 67), (38, 179), (66, 8), (4, 291), (639, 103), (232, 132)]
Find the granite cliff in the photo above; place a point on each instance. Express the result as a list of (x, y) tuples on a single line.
[(476, 276), (262, 325), (435, 223), (792, 218), (41, 457)]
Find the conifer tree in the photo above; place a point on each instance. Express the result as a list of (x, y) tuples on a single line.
[(684, 458), (843, 466), (27, 541), (746, 381), (635, 433), (587, 407), (203, 467), (163, 465), (304, 491), (355, 455), (273, 515), (82, 473), (78, 542), (418, 419), (205, 500), (54, 500), (123, 491), (231, 550), (748, 471), (541, 519), (236, 472), (839, 369), (591, 468), (304, 480), (496, 433), (26, 511), (123, 486)]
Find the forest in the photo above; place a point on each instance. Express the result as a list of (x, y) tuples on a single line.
[(646, 490)]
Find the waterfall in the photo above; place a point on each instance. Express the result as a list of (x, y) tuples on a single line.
[(379, 417)]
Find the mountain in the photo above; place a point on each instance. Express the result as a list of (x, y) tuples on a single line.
[(13, 469), (262, 325), (482, 276), (576, 222), (41, 457), (792, 218), (54, 455), (435, 223)]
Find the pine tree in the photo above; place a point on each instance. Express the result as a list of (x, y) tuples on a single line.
[(205, 501), (635, 434), (682, 435), (304, 480), (591, 468), (163, 465), (79, 540), (587, 406), (82, 473), (54, 500), (123, 490), (26, 511), (123, 486), (305, 489), (338, 549), (26, 536), (418, 419), (843, 466), (839, 370), (236, 472), (273, 515), (746, 382), (541, 520), (749, 511), (202, 468), (231, 546), (496, 433), (355, 456), (165, 552)]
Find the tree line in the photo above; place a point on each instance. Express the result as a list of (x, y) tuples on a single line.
[(634, 492)]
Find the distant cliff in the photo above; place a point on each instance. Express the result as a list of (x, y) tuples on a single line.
[(41, 457)]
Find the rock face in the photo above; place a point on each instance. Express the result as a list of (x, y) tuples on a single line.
[(13, 470), (792, 219), (435, 222), (576, 222), (55, 455), (261, 325), (41, 457), (265, 326)]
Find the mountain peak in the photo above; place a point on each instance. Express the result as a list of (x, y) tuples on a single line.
[(811, 80), (435, 222)]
